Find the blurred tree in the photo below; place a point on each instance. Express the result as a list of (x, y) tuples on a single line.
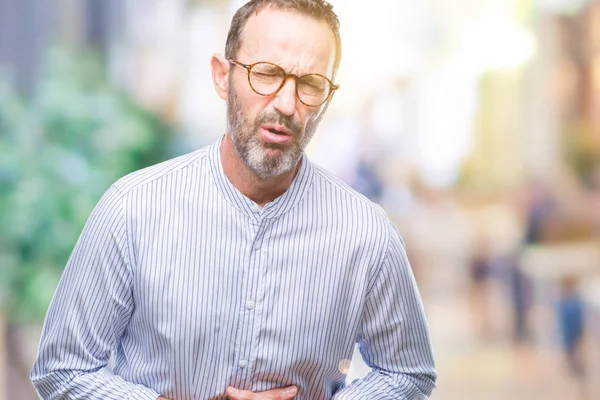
[(59, 151)]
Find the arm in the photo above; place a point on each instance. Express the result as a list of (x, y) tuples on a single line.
[(88, 314), (394, 337)]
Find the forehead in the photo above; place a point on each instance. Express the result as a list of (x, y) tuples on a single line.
[(297, 42)]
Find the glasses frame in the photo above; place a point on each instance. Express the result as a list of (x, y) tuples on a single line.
[(332, 86)]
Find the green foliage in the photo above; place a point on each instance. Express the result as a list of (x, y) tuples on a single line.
[(59, 152)]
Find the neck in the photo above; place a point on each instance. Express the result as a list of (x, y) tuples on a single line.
[(245, 180)]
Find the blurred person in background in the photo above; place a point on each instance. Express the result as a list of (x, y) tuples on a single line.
[(366, 180), (242, 270), (540, 207), (570, 310), (480, 271)]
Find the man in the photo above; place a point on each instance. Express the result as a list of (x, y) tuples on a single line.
[(242, 270)]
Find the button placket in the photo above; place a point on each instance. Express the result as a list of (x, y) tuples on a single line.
[(248, 332)]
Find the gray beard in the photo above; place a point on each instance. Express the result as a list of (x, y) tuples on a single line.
[(253, 152)]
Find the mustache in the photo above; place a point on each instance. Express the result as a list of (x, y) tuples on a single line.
[(278, 119)]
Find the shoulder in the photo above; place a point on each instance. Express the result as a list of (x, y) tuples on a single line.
[(333, 188), (365, 220), (164, 170)]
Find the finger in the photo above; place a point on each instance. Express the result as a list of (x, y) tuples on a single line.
[(286, 393), (236, 394), (280, 394)]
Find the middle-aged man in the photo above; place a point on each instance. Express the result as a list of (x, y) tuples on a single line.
[(242, 270)]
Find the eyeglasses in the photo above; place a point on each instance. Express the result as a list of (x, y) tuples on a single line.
[(266, 79)]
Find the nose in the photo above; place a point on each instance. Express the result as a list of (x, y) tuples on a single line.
[(285, 100)]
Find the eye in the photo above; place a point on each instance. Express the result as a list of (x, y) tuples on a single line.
[(313, 84), (264, 74), (266, 69)]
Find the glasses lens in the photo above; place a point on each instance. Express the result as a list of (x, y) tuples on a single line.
[(313, 89), (266, 78)]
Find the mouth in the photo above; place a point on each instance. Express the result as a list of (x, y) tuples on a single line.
[(278, 129), (278, 134)]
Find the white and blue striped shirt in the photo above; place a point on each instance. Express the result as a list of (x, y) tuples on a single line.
[(192, 287)]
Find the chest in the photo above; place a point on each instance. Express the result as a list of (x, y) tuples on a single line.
[(264, 302), (213, 271)]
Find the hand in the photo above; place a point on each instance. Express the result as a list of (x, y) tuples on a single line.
[(162, 398), (274, 394)]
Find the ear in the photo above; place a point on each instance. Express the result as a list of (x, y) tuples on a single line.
[(220, 74)]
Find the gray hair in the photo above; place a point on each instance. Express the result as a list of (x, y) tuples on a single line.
[(317, 9)]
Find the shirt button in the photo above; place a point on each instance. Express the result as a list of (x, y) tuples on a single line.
[(257, 245), (243, 364), (250, 305)]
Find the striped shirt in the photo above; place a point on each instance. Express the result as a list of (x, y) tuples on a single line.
[(189, 287)]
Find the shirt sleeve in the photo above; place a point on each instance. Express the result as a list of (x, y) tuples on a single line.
[(394, 338), (89, 313)]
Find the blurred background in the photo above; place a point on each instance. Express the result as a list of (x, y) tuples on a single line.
[(475, 124)]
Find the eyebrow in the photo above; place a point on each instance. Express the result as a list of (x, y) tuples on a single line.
[(300, 72)]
